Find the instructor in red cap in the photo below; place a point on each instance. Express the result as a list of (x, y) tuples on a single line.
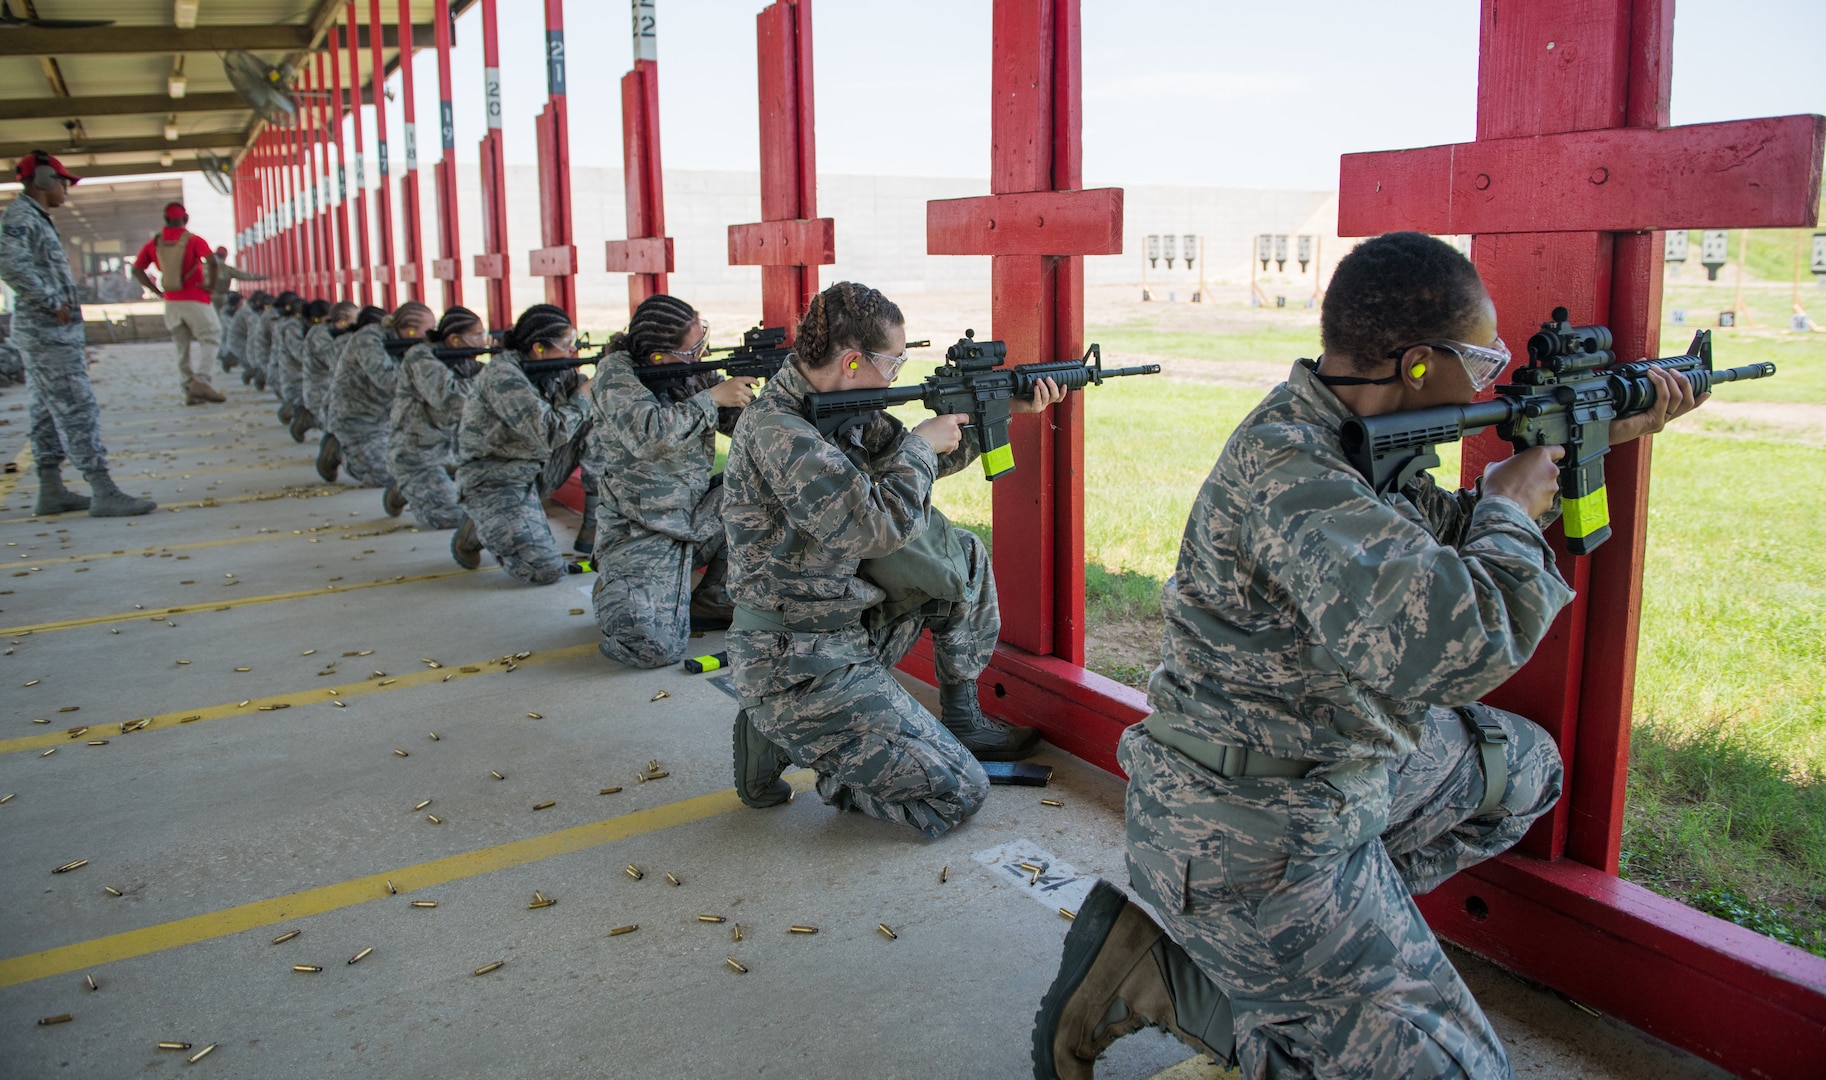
[(187, 272)]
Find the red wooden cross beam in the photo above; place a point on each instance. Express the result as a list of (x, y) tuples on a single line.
[(412, 270), (791, 241), (493, 264), (646, 255), (358, 274), (1572, 171), (447, 268), (384, 271), (556, 262)]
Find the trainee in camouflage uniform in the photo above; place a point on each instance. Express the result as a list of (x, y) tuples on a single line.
[(427, 412), (814, 642), (659, 509), (322, 348), (258, 356), (234, 331), (48, 331), (361, 405), (287, 354), (1316, 756), (12, 365), (511, 426)]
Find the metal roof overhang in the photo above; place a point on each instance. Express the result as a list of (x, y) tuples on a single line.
[(98, 98)]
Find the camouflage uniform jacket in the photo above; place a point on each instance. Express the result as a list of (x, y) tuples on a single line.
[(802, 513), (33, 264), (288, 343), (235, 328), (320, 353), (260, 339), (428, 405), (365, 380), (1308, 618), (651, 457), (509, 427)]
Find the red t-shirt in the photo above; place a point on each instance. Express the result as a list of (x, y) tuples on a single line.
[(191, 287)]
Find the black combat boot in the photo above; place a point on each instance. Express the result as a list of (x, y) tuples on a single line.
[(285, 412), (302, 423), (329, 458), (758, 765), (1119, 973), (466, 546), (391, 500), (106, 500), (988, 738), (53, 497)]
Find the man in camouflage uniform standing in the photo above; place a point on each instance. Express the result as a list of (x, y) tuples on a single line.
[(47, 328), (1316, 756)]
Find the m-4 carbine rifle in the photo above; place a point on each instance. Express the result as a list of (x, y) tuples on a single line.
[(761, 354), (968, 382), (400, 346), (1568, 394)]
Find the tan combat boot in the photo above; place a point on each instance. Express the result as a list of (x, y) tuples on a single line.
[(1120, 973), (196, 392)]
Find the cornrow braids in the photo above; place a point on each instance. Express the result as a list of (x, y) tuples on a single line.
[(289, 303), (317, 310), (344, 309), (660, 324), (457, 320), (1393, 290), (408, 313), (541, 324), (368, 316), (845, 316)]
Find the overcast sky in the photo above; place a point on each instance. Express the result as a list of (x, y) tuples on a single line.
[(1205, 92)]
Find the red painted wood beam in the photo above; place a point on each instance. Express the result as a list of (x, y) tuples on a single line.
[(1611, 180), (1042, 223), (412, 270), (338, 186), (448, 267), (789, 170), (384, 270), (359, 275), (493, 264), (646, 255), (556, 262)]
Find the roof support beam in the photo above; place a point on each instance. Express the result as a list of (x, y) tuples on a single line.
[(118, 105), (220, 140), (146, 168), (120, 40)]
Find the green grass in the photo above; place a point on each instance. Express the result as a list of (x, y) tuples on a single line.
[(1727, 795)]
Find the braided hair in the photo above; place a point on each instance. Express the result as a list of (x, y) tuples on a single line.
[(289, 303), (660, 324), (344, 309), (1393, 290), (317, 310), (260, 300), (368, 316), (233, 302), (457, 320), (541, 324), (407, 314), (845, 316)]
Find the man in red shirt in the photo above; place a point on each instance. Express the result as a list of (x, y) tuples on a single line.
[(187, 270)]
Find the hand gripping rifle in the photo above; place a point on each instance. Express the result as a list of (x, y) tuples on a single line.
[(761, 354), (1568, 394), (968, 382)]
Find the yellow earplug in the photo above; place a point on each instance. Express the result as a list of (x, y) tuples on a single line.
[(1417, 370), (854, 365)]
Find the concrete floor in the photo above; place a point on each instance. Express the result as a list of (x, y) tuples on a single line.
[(224, 824)]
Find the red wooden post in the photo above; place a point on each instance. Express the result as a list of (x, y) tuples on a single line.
[(646, 255), (791, 241), (307, 187), (320, 188), (493, 264), (1573, 171), (383, 270), (448, 267), (345, 285), (288, 217), (359, 272), (303, 223), (412, 271), (556, 262)]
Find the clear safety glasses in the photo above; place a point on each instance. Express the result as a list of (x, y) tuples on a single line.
[(1483, 363), (889, 366)]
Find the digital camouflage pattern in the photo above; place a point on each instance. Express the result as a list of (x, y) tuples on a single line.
[(509, 429), (1309, 619), (659, 514), (801, 514), (65, 418), (235, 327), (361, 405), (12, 364), (260, 341), (288, 359), (322, 349), (422, 449)]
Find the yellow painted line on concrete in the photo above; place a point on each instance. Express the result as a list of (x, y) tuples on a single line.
[(21, 465), (320, 696), (195, 609), (85, 955), (305, 491)]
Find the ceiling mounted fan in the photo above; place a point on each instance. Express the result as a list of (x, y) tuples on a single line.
[(266, 88), (218, 170)]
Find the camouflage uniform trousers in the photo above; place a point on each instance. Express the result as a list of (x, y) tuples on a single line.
[(290, 374), (364, 455), (430, 491), (876, 749), (66, 421), (510, 521), (1295, 896), (643, 592), (12, 365)]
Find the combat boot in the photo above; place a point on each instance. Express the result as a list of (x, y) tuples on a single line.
[(260, 379), (228, 362), (1120, 972), (391, 500), (988, 738), (285, 412), (586, 533), (247, 375), (196, 392), (302, 423), (106, 500), (466, 546), (329, 458), (758, 765), (53, 497)]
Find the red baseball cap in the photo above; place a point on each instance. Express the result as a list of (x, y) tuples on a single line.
[(175, 210), (29, 165)]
